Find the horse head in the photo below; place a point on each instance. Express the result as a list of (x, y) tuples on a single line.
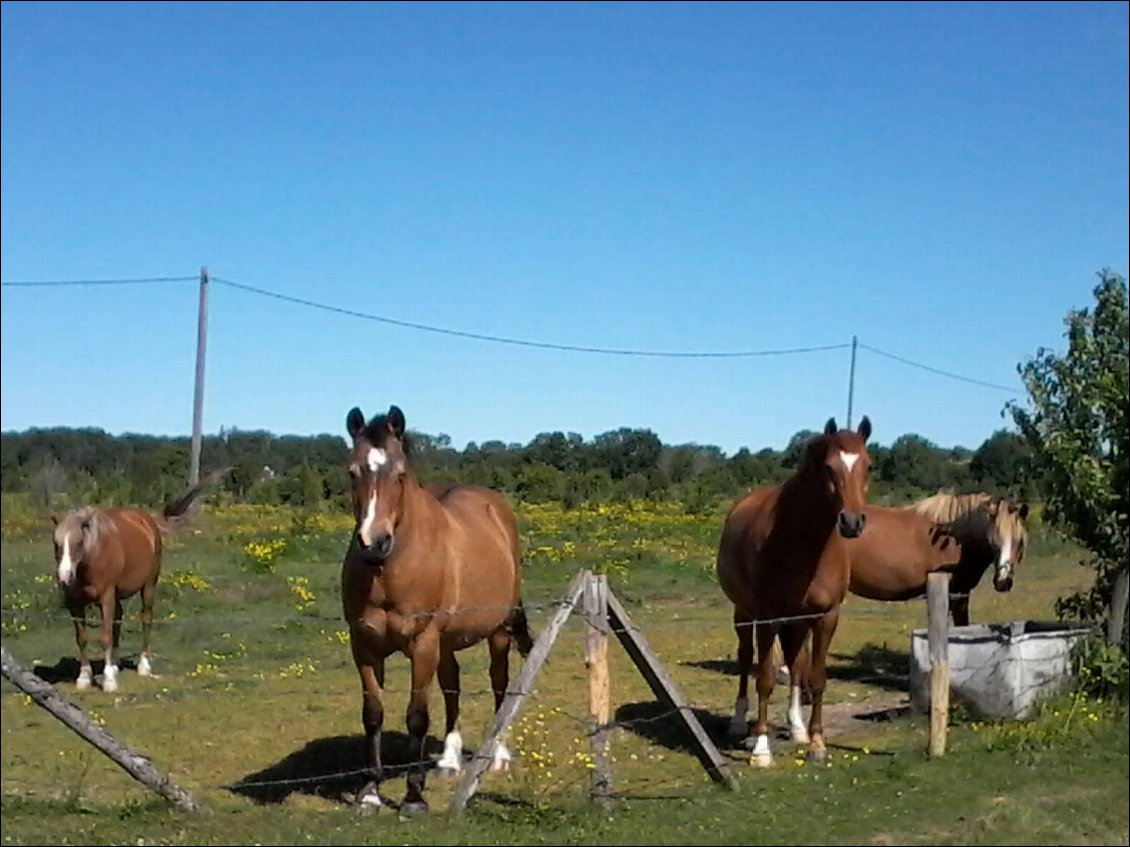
[(841, 456), (1008, 535), (378, 467), (74, 537)]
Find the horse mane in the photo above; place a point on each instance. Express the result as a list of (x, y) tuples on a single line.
[(965, 513), (95, 520)]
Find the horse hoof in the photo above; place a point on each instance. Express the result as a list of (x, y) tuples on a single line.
[(447, 770), (413, 808), (817, 757), (109, 685), (144, 668), (500, 765), (82, 683), (801, 737), (761, 760)]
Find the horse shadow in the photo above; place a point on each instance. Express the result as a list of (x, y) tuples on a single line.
[(67, 668), (873, 664), (331, 768)]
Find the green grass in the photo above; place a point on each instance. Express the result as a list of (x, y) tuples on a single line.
[(257, 684)]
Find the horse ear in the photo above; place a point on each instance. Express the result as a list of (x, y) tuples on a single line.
[(355, 422), (54, 519), (1022, 510), (830, 428), (396, 421), (865, 428)]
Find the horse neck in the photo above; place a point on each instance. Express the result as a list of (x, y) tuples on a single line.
[(421, 509), (805, 492)]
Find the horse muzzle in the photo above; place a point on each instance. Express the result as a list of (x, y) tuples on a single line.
[(1002, 579), (378, 551), (851, 523)]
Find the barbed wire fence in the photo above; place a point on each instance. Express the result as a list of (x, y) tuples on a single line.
[(583, 602)]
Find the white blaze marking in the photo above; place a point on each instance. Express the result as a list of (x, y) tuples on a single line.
[(849, 459), (366, 531), (377, 458), (66, 566), (1004, 563)]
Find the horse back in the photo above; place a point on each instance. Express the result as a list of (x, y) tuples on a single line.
[(891, 559)]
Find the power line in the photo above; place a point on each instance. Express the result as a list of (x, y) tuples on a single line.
[(48, 283), (548, 345), (938, 371)]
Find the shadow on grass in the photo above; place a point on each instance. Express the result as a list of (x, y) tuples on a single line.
[(333, 768), (66, 669), (873, 664)]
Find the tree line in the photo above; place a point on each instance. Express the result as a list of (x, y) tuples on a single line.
[(91, 466)]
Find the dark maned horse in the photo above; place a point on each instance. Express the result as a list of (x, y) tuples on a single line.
[(783, 555), (105, 556), (429, 571), (963, 534)]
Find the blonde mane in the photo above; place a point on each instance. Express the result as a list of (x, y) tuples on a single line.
[(95, 522), (965, 513)]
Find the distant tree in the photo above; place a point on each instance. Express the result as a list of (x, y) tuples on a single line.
[(915, 462), (1076, 427), (1002, 463), (794, 450)]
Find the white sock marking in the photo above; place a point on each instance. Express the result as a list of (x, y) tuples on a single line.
[(143, 667), (761, 748), (797, 726), (85, 675), (110, 678), (502, 757), (452, 758)]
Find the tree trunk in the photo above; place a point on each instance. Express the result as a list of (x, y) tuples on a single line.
[(1117, 620)]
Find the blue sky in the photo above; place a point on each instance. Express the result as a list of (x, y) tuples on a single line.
[(943, 181)]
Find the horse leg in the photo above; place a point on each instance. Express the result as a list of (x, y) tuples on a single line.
[(499, 644), (111, 612), (448, 675), (762, 756), (822, 631), (795, 656), (959, 606), (148, 592), (77, 611), (782, 671), (425, 661), (743, 627), (371, 669)]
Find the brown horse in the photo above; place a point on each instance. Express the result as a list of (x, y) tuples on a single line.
[(783, 563), (963, 534), (429, 571), (105, 556)]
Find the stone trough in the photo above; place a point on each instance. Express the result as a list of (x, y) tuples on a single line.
[(999, 670)]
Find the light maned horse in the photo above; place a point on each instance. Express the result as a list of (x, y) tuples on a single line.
[(105, 556), (429, 571), (963, 534), (783, 555)]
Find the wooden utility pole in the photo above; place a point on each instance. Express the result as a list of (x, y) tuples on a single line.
[(851, 380), (135, 764), (198, 394)]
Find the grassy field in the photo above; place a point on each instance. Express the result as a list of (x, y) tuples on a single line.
[(257, 707)]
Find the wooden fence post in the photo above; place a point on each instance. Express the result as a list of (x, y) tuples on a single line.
[(596, 662), (938, 613), (134, 763)]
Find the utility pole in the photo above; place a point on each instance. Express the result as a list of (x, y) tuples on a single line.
[(851, 379), (198, 396)]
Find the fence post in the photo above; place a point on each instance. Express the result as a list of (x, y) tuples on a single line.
[(596, 662), (938, 613)]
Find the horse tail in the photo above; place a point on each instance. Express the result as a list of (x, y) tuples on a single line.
[(177, 508), (519, 628)]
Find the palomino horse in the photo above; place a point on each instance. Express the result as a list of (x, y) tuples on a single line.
[(429, 571), (783, 563), (960, 533), (105, 556)]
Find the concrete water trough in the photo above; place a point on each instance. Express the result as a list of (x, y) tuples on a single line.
[(999, 670)]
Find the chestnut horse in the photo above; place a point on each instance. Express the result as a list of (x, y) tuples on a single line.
[(963, 534), (783, 563), (105, 556), (429, 571)]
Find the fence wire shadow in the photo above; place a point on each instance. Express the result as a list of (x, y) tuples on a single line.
[(333, 768), (660, 724)]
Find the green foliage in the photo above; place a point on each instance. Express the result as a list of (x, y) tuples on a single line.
[(1077, 430), (1101, 669)]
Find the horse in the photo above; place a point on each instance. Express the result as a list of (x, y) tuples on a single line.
[(428, 571), (105, 556), (962, 534), (782, 561)]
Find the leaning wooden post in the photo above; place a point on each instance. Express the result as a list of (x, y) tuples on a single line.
[(938, 613), (137, 765), (596, 661)]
